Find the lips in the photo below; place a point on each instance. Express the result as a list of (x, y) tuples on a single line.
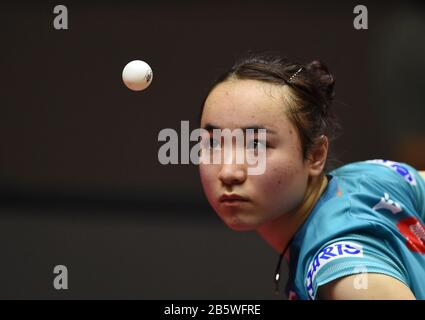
[(232, 198)]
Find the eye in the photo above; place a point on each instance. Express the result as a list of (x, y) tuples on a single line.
[(214, 143), (255, 143), (211, 143)]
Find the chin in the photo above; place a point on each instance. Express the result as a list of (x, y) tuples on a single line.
[(237, 224), (240, 228)]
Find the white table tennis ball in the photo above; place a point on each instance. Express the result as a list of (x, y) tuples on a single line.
[(137, 75)]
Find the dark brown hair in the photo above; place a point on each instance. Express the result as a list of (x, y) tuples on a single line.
[(309, 98)]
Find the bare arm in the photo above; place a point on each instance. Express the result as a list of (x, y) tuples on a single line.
[(374, 286)]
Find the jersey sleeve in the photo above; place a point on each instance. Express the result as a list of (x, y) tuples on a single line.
[(348, 256), (418, 189), (411, 178)]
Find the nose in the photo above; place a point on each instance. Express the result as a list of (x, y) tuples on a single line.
[(232, 174)]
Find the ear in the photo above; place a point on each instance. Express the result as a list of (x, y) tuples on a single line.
[(318, 154)]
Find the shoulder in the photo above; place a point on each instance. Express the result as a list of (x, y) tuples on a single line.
[(393, 182), (401, 169), (388, 179), (379, 171)]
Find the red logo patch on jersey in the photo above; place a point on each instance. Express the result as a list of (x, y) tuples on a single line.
[(414, 232)]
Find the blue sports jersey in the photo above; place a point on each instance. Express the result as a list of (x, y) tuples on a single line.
[(369, 219)]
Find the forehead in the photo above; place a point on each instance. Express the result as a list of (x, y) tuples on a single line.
[(241, 103)]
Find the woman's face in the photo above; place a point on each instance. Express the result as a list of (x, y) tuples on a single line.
[(249, 103)]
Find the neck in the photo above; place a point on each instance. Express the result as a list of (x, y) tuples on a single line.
[(279, 232)]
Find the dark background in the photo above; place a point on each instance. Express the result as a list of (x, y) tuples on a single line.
[(80, 181)]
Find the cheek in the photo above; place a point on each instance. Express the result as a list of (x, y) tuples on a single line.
[(210, 184), (279, 176), (208, 174), (283, 182)]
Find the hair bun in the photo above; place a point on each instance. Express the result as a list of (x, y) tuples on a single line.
[(324, 80)]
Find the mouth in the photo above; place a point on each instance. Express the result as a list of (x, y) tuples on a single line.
[(233, 199)]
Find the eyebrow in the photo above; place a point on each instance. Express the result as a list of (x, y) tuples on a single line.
[(210, 127)]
